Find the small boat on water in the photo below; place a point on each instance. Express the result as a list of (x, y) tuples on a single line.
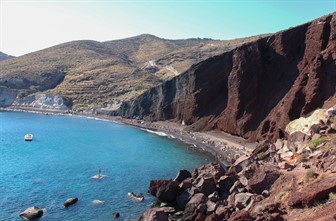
[(136, 197), (28, 137)]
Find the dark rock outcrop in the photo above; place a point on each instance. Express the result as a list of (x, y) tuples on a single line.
[(116, 215), (186, 184), (226, 182), (168, 192), (214, 169), (263, 177), (182, 175), (316, 191), (154, 214), (242, 200), (213, 217), (223, 213), (183, 198), (206, 185), (164, 190), (271, 212), (241, 215), (254, 90), (154, 185), (7, 96), (70, 202), (327, 213), (196, 200), (196, 207)]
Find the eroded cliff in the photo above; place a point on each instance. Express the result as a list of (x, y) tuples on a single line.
[(254, 90)]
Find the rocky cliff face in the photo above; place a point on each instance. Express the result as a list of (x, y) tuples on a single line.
[(42, 102), (7, 96), (254, 90)]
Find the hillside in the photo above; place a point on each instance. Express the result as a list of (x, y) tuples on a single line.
[(90, 74), (249, 87), (4, 56), (254, 90)]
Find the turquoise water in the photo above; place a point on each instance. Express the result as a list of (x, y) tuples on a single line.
[(66, 152)]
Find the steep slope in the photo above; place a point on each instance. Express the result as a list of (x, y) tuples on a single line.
[(4, 56), (254, 90), (92, 74)]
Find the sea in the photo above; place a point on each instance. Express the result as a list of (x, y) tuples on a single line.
[(66, 153)]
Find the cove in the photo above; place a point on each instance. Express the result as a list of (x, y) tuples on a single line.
[(66, 152)]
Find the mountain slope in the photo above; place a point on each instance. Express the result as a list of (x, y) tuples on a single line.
[(4, 56), (94, 74), (254, 90)]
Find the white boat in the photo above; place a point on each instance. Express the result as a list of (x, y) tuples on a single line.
[(28, 137)]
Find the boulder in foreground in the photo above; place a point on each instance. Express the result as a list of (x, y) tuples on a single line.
[(154, 214)]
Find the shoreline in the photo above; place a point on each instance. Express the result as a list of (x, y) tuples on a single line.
[(220, 146), (217, 144)]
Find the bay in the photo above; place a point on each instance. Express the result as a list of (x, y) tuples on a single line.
[(66, 152)]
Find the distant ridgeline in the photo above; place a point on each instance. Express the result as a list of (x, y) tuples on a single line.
[(92, 75), (250, 87), (4, 56)]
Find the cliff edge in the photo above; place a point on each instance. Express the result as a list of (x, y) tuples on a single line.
[(254, 90)]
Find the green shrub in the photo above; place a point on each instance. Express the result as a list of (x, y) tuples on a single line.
[(332, 196), (318, 204), (259, 209), (311, 175), (261, 155), (314, 143), (267, 216)]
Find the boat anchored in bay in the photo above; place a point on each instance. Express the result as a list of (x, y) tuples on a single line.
[(28, 137)]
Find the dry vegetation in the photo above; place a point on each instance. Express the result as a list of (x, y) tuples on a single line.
[(95, 74)]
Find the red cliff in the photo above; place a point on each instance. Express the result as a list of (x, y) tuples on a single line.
[(254, 90)]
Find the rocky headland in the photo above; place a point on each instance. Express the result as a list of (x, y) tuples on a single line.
[(290, 179)]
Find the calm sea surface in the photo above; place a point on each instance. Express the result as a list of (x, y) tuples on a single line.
[(66, 152)]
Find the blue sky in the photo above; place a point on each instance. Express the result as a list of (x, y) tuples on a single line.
[(27, 26)]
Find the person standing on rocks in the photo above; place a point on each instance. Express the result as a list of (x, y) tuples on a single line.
[(99, 172), (322, 166)]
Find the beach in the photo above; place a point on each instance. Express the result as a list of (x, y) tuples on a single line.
[(222, 146)]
